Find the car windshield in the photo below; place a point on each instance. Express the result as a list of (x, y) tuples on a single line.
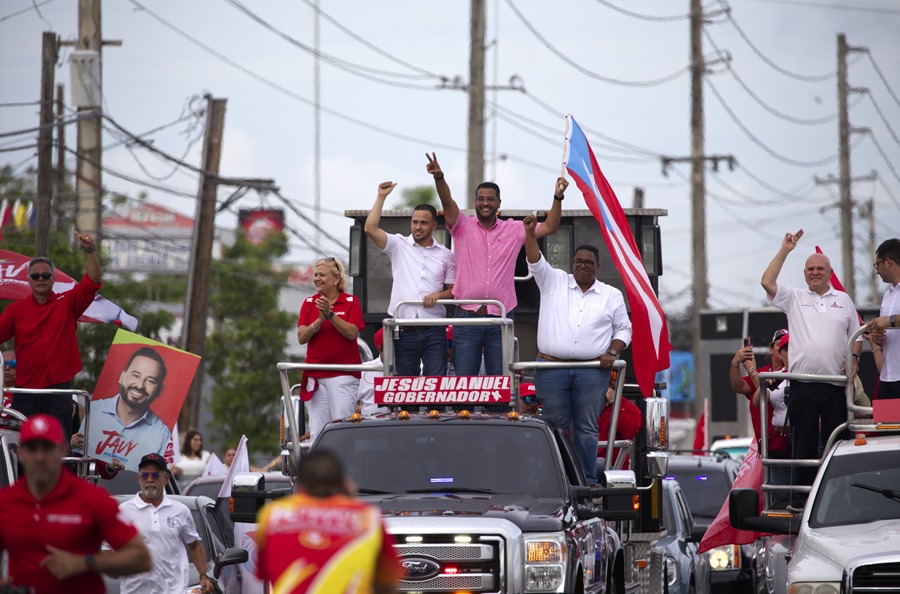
[(437, 457), (846, 494), (705, 488)]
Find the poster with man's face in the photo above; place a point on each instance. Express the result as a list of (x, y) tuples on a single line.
[(137, 400)]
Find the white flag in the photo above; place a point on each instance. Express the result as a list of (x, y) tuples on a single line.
[(214, 467)]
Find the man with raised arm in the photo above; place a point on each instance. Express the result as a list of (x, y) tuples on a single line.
[(486, 249), (820, 321), (423, 270)]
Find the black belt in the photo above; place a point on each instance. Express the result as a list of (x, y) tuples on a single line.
[(415, 328)]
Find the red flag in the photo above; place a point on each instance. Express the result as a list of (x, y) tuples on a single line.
[(650, 335), (836, 283), (721, 532)]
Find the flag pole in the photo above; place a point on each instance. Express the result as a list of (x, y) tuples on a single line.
[(562, 170)]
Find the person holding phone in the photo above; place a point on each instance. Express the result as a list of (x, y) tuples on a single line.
[(329, 323)]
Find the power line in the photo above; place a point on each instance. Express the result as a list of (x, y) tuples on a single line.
[(21, 147), (134, 180), (884, 156), (887, 191), (883, 117), (849, 7), (303, 216), (771, 63), (349, 67), (760, 143), (882, 76), (644, 17), (582, 69), (20, 104), (34, 7), (81, 116), (762, 103)]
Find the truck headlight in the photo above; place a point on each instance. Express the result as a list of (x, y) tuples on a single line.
[(725, 557), (545, 562), (815, 588), (671, 571)]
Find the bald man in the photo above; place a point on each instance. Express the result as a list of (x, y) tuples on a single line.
[(820, 321)]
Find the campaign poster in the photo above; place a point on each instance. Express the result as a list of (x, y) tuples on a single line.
[(138, 398)]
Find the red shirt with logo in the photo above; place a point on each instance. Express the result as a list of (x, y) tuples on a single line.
[(75, 516), (46, 346), (327, 345), (322, 545)]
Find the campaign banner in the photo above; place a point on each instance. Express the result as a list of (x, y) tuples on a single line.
[(459, 389), (138, 398)]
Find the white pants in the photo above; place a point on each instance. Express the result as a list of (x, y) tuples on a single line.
[(334, 399)]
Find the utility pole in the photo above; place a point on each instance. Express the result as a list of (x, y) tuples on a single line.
[(844, 131), (201, 255), (49, 54), (59, 196), (88, 178), (638, 197), (475, 162)]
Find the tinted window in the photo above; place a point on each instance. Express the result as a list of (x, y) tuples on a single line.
[(838, 501), (210, 490), (705, 488), (511, 458)]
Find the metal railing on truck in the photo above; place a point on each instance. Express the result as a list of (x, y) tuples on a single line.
[(859, 420)]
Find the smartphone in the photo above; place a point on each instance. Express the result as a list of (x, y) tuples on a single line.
[(746, 341)]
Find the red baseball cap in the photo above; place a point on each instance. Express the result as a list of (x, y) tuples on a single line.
[(42, 428), (379, 339), (782, 342), (527, 389)]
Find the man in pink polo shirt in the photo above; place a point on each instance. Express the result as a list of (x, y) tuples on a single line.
[(486, 251)]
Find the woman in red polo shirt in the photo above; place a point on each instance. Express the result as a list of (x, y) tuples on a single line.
[(329, 323)]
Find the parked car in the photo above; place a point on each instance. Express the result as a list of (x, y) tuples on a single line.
[(687, 571), (736, 447), (220, 560), (706, 481)]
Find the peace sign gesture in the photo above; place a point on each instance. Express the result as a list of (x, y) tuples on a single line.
[(433, 167)]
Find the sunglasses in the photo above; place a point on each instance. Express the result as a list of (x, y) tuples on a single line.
[(11, 364), (530, 399), (150, 475), (40, 275)]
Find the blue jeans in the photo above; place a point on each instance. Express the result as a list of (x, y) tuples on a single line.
[(574, 398), (425, 344), (470, 343)]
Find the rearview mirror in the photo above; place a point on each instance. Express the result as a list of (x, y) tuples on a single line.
[(657, 423), (232, 556), (657, 464)]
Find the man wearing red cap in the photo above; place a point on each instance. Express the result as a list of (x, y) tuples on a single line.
[(52, 523)]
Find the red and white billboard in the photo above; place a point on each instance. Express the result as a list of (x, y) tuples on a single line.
[(480, 390), (259, 223)]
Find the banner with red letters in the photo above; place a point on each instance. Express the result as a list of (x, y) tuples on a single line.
[(472, 390), (138, 398)]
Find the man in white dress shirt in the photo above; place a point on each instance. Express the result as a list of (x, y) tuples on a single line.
[(169, 531), (423, 270), (887, 354), (581, 319)]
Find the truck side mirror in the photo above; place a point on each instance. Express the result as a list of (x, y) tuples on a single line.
[(657, 423), (743, 513), (657, 464), (248, 491), (232, 556)]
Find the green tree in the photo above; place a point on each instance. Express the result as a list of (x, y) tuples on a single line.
[(249, 339), (416, 195)]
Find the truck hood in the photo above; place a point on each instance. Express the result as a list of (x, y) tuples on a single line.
[(830, 549), (528, 513)]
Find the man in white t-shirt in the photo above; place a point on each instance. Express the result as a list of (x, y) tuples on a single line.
[(887, 353), (423, 270), (821, 321), (169, 531)]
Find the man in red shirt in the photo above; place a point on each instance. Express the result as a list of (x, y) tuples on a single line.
[(322, 540), (52, 523), (43, 326)]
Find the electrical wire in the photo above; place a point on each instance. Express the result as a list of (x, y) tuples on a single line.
[(585, 71), (887, 191), (303, 216), (771, 63), (134, 180), (20, 104), (884, 156), (882, 76), (21, 147), (349, 67), (760, 143), (34, 7), (848, 6), (766, 106), (883, 117), (644, 17), (65, 122)]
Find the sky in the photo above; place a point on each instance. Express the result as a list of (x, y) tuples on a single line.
[(383, 65)]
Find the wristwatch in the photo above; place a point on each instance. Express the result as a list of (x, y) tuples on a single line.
[(329, 315), (892, 320), (614, 353)]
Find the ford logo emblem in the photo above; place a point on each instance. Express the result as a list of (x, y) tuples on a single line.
[(420, 568)]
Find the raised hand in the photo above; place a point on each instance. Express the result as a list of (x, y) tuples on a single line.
[(561, 185), (790, 240), (433, 167), (385, 188), (530, 222), (86, 241)]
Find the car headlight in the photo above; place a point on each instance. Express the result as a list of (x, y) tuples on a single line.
[(545, 558), (725, 557), (671, 571), (815, 588)]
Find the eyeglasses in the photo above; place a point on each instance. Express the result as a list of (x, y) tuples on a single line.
[(150, 475), (531, 399), (11, 364), (585, 263), (40, 275)]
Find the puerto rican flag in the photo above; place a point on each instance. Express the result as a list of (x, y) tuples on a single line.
[(650, 334)]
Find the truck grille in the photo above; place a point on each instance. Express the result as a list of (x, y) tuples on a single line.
[(880, 578), (445, 565)]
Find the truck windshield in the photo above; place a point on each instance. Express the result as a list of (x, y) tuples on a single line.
[(839, 502), (456, 458)]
